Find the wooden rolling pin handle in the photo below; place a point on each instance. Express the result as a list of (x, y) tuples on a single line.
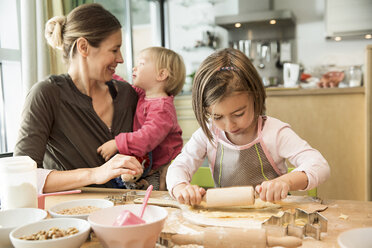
[(287, 241), (235, 238), (185, 239), (230, 196)]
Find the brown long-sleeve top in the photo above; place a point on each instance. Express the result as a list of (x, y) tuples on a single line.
[(60, 129)]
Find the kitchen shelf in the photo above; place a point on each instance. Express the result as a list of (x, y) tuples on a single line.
[(318, 91)]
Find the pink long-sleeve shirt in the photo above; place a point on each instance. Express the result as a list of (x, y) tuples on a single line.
[(155, 128), (281, 141)]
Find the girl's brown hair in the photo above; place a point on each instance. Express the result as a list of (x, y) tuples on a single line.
[(221, 74), (171, 61), (90, 21)]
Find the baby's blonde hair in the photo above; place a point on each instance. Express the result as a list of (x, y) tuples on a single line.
[(221, 74), (171, 61)]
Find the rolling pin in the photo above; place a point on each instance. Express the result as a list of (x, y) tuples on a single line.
[(235, 238), (216, 197), (230, 196)]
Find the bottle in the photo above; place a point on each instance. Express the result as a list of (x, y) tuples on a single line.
[(18, 182), (355, 74)]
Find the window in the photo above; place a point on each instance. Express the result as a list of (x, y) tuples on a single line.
[(10, 76), (143, 26)]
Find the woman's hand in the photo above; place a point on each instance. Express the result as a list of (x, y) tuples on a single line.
[(273, 190), (108, 149), (119, 164), (188, 194), (72, 179)]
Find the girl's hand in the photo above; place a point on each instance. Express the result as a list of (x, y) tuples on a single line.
[(119, 164), (108, 149), (188, 194), (273, 190)]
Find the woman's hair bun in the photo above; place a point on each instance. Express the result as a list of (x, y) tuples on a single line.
[(53, 31)]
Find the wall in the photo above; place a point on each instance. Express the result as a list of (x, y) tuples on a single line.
[(313, 50), (187, 22)]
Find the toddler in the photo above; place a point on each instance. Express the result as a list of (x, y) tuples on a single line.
[(156, 136)]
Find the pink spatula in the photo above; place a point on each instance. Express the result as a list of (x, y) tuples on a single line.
[(127, 218)]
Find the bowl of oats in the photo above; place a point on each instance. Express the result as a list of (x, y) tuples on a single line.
[(56, 233), (78, 208)]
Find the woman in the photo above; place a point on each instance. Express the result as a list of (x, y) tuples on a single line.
[(66, 117)]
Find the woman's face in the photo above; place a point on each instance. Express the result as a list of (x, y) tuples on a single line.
[(144, 74), (102, 60), (234, 115)]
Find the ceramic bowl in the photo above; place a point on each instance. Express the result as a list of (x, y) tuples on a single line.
[(356, 238), (132, 236), (99, 203), (73, 241), (13, 218)]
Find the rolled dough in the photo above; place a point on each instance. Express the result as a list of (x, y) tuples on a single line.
[(242, 217)]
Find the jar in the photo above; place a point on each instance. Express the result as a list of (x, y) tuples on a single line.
[(18, 182), (355, 76)]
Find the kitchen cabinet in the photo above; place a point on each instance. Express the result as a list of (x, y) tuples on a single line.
[(348, 18), (332, 121)]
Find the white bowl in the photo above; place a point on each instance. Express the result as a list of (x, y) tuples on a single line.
[(99, 203), (356, 238), (75, 240), (13, 218), (133, 236)]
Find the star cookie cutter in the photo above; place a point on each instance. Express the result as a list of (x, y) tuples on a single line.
[(299, 224)]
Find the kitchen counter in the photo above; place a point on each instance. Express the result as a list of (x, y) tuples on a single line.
[(355, 214), (279, 91)]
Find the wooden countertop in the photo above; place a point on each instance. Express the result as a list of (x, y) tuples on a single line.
[(359, 214)]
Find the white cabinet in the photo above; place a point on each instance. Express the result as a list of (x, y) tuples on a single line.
[(348, 18)]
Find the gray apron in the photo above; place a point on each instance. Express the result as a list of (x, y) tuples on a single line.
[(249, 164)]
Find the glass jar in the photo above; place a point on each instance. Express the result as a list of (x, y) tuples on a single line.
[(18, 182), (355, 76)]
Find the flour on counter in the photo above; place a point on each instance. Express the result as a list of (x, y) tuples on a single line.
[(174, 224)]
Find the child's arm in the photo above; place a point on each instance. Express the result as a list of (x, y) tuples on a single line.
[(159, 122), (184, 166), (305, 158), (108, 149), (283, 143), (278, 188)]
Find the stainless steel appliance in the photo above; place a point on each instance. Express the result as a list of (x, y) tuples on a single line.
[(265, 35)]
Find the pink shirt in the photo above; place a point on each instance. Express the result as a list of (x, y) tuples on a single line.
[(280, 140), (155, 128)]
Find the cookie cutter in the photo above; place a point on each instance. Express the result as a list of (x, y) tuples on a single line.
[(299, 224), (125, 198)]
